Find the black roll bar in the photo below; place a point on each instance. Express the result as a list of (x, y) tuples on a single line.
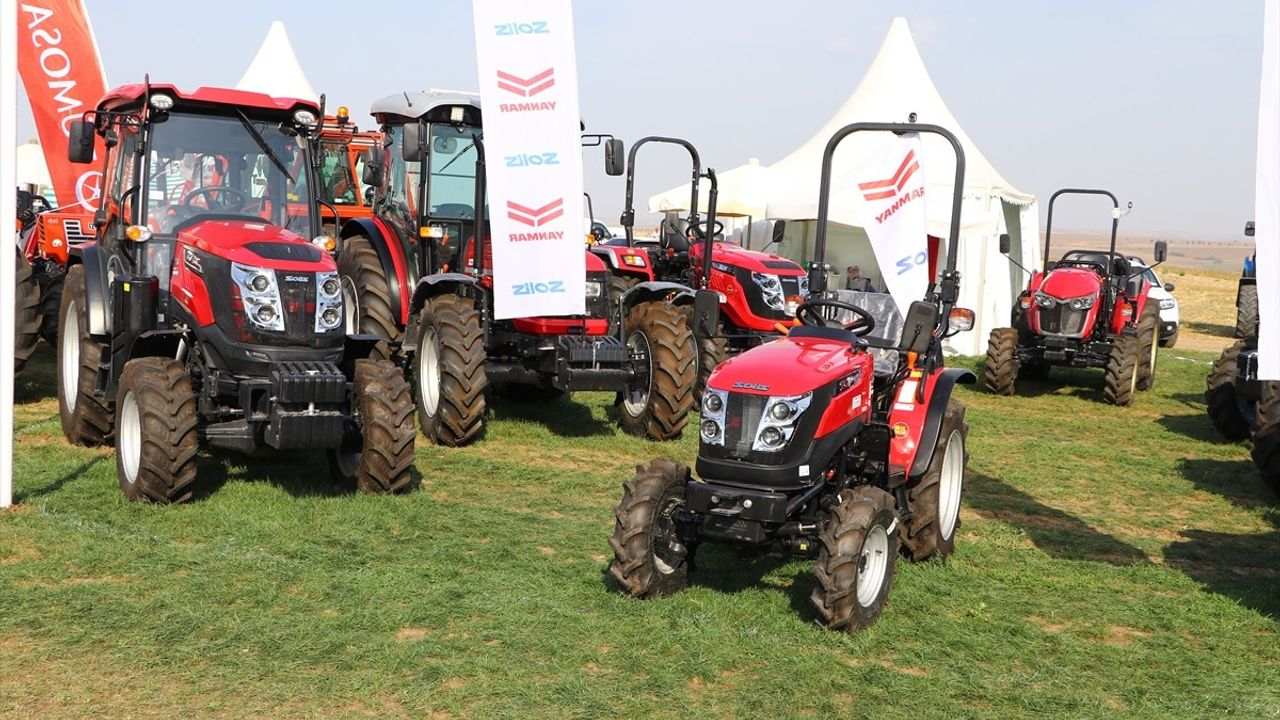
[(1048, 223)]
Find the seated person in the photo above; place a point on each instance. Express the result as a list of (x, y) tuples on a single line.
[(853, 280)]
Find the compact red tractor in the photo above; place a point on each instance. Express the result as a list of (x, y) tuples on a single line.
[(759, 292), (832, 440), (419, 273), (204, 312), (1089, 309)]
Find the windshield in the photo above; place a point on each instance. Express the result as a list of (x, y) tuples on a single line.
[(337, 184), (452, 183), (206, 166)]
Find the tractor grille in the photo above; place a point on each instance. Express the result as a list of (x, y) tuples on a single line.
[(742, 420), (298, 293), (1062, 320)]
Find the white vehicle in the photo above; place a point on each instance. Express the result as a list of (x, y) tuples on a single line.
[(1162, 293)]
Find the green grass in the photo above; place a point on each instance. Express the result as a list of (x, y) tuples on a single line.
[(1113, 562)]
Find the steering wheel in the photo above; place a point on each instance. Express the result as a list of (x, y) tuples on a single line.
[(862, 324), (221, 203), (697, 228)]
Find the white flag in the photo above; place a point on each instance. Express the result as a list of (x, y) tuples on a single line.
[(1266, 232)]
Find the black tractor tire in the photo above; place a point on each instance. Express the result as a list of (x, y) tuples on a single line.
[(50, 301), (157, 436), (858, 538), (26, 312), (450, 398), (1148, 344), (618, 286), (380, 459), (1120, 384), (1266, 443), (711, 352), (1171, 339), (1220, 396), (642, 519), (366, 290), (1000, 374), (660, 411), (935, 504), (87, 418), (1247, 311)]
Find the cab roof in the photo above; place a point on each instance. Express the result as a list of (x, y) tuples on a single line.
[(125, 95), (418, 103)]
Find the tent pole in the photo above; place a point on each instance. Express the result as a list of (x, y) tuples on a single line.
[(8, 217)]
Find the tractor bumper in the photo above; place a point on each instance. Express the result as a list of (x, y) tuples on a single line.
[(570, 363)]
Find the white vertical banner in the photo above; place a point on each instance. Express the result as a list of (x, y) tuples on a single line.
[(889, 205), (1266, 232), (533, 155)]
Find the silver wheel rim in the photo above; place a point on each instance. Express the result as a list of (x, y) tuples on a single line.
[(429, 371), (350, 307), (874, 565), (69, 348), (635, 400), (951, 484), (129, 431), (1155, 347), (1133, 379)]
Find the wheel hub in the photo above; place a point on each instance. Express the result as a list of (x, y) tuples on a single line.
[(872, 565), (429, 371), (69, 348), (636, 398)]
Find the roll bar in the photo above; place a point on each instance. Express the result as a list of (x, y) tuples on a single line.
[(1115, 216)]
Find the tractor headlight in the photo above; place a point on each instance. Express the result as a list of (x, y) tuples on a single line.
[(778, 422), (711, 431), (1044, 301), (595, 289), (713, 405), (260, 294), (781, 412), (328, 301), (772, 438), (771, 288), (1082, 303), (304, 117)]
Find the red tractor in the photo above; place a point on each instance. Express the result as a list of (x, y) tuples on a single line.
[(759, 292), (1088, 309), (835, 440), (204, 312), (419, 273)]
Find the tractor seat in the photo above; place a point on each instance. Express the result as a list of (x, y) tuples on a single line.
[(673, 235)]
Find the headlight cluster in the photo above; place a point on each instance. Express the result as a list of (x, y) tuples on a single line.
[(771, 287), (261, 296), (713, 405), (328, 301), (1168, 304), (778, 422), (1080, 303), (1044, 301), (595, 289)]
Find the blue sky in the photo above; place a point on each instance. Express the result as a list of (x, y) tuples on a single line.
[(1155, 100)]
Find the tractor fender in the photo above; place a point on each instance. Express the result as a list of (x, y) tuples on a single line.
[(611, 254), (95, 285), (157, 343), (674, 293), (449, 283), (937, 408), (390, 254)]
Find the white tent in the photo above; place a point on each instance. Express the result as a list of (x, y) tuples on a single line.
[(275, 70), (897, 85), (744, 191), (31, 167)]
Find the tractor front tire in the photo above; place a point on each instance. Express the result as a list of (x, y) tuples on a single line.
[(381, 461), (934, 499), (26, 312), (618, 286), (857, 554), (87, 418), (448, 371), (366, 290), (711, 352), (1266, 443), (1246, 311), (1000, 374), (647, 558), (658, 333), (157, 434), (1149, 344), (1220, 396), (1121, 381)]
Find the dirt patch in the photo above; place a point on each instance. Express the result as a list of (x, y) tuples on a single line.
[(1047, 625), (453, 683), (1122, 636), (410, 634)]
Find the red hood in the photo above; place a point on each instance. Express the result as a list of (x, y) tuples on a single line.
[(1069, 282), (731, 254), (807, 363), (227, 239)]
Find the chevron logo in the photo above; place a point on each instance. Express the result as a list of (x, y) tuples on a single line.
[(535, 217), (881, 189), (527, 87)]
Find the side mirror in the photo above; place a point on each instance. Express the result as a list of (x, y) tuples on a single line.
[(80, 142), (615, 157), (1168, 287), (779, 232), (411, 150), (372, 172), (1162, 251), (1005, 244), (706, 313), (917, 328), (1248, 229)]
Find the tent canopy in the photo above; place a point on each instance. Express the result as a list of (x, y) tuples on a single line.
[(275, 70), (31, 167), (743, 191)]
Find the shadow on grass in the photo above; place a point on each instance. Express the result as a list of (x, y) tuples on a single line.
[(1084, 383), (1196, 427), (1058, 533), (56, 485), (38, 380), (562, 416), (1235, 480), (1215, 329), (1241, 567), (301, 474)]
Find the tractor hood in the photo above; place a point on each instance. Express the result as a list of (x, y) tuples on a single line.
[(730, 254), (258, 244), (1071, 282), (789, 366)]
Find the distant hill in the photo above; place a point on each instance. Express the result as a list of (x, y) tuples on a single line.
[(1221, 256)]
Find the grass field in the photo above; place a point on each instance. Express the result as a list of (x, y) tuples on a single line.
[(1113, 562)]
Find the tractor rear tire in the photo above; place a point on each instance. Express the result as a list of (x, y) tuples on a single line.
[(50, 301), (618, 286), (711, 352), (1121, 382), (1220, 396), (857, 554), (87, 418), (1000, 373), (934, 499), (1266, 443), (661, 410), (643, 533), (157, 436), (381, 461), (1246, 311), (448, 371), (1149, 344), (26, 312), (366, 290)]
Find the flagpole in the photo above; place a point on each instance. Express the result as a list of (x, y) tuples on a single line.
[(8, 217)]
